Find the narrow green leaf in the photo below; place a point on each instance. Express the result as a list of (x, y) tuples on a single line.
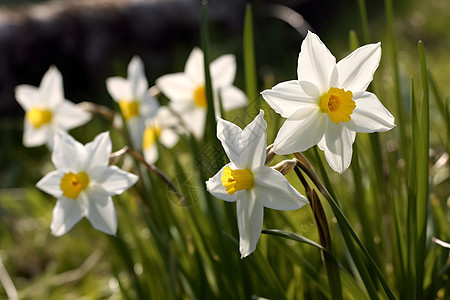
[(422, 176), (389, 11), (353, 40), (364, 20), (410, 288), (294, 237), (210, 124), (251, 86)]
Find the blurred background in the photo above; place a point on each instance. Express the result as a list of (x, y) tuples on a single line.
[(90, 41)]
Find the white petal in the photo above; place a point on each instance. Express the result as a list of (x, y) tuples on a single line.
[(232, 98), (67, 115), (315, 62), (51, 88), (177, 87), (148, 106), (33, 137), (194, 119), (66, 214), (98, 151), (356, 70), (223, 71), (250, 219), (370, 115), (301, 131), (119, 88), (274, 191), (136, 127), (169, 138), (51, 183), (286, 97), (253, 143), (112, 179), (68, 154), (136, 77), (194, 68), (337, 146), (151, 154), (215, 187), (101, 212), (27, 96), (229, 135)]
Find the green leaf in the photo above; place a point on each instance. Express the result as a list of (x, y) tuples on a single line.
[(422, 175), (251, 86)]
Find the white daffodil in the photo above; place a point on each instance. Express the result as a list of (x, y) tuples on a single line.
[(46, 110), (248, 182), (160, 128), (187, 90), (133, 98), (83, 183), (328, 103)]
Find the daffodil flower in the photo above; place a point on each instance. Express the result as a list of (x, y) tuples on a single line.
[(328, 103), (248, 182), (160, 128), (187, 90), (83, 183), (47, 111), (134, 99)]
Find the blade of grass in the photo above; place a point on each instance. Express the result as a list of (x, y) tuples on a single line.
[(251, 86), (294, 237), (364, 20), (346, 230), (389, 11), (210, 124), (422, 176)]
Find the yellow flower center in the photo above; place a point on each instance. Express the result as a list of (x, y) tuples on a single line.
[(38, 117), (151, 135), (200, 96), (73, 184), (129, 109), (236, 180), (338, 104)]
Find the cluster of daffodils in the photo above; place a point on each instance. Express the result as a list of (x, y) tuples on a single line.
[(326, 106), (188, 94), (149, 123)]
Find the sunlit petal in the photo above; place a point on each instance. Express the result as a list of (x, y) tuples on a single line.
[(315, 62), (273, 190), (357, 69), (51, 183), (66, 214), (301, 131), (286, 97), (337, 146), (370, 115), (250, 219), (101, 212)]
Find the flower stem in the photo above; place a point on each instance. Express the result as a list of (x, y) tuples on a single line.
[(324, 235), (342, 221)]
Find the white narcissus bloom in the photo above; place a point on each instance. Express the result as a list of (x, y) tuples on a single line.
[(134, 99), (47, 111), (328, 103), (83, 183), (159, 128), (187, 90), (248, 182)]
